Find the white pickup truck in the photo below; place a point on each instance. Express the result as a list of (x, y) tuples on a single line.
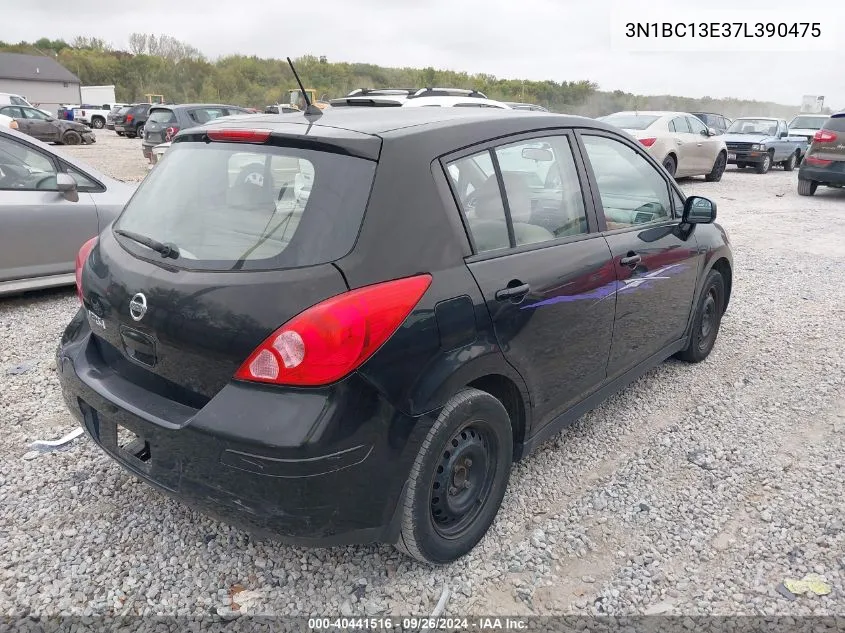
[(94, 115)]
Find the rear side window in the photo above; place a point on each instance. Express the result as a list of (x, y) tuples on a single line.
[(204, 115), (542, 191), (228, 206), (18, 101), (162, 116)]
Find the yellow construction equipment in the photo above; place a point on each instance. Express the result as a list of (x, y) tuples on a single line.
[(297, 100)]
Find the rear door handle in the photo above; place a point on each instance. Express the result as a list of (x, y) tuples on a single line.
[(512, 292), (631, 260)]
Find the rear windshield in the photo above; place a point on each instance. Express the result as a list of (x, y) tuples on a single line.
[(630, 121), (162, 116), (227, 206), (808, 122), (836, 123)]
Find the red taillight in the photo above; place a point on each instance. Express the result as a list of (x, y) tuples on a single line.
[(81, 258), (818, 162), (239, 136), (333, 338), (648, 142), (129, 118), (170, 132), (824, 136)]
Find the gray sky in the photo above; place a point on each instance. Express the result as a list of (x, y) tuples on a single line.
[(562, 40)]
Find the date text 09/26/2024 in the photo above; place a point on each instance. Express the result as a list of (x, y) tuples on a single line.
[(418, 624)]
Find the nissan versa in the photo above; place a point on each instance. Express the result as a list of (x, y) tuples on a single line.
[(363, 364)]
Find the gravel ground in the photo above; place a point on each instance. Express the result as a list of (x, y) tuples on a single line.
[(697, 490), (115, 156)]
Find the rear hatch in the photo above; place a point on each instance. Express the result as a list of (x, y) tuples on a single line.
[(251, 255), (828, 147), (158, 122)]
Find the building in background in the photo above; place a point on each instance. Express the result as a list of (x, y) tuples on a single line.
[(41, 80)]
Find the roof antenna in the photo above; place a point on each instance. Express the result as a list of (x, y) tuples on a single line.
[(310, 108)]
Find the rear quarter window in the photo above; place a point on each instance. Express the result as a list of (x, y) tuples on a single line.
[(228, 206), (201, 116)]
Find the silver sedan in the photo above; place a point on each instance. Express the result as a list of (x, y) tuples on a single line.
[(50, 204)]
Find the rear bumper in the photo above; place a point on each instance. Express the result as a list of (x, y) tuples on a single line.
[(307, 467), (833, 174)]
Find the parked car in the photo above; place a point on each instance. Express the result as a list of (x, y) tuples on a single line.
[(165, 121), (761, 142), (807, 125), (824, 163), (346, 369), (112, 114), (525, 106), (131, 122), (95, 116), (716, 121), (50, 204), (48, 128), (678, 140), (8, 98)]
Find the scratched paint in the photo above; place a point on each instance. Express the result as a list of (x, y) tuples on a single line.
[(614, 287)]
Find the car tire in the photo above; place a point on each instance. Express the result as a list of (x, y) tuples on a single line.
[(71, 138), (789, 165), (670, 165), (764, 165), (718, 170), (706, 320), (139, 131), (807, 187), (741, 165), (97, 123), (458, 479), (121, 134)]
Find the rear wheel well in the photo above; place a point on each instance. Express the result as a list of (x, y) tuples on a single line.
[(724, 268), (506, 392)]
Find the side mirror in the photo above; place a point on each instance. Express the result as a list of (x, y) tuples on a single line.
[(65, 183), (50, 119), (698, 210), (784, 134), (711, 131), (537, 153)]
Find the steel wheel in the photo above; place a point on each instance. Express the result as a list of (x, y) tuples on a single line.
[(463, 479)]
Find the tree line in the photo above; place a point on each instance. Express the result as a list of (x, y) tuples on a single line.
[(161, 64)]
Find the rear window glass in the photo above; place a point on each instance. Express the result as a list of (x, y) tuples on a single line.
[(228, 206), (836, 123), (630, 121), (808, 122), (162, 116)]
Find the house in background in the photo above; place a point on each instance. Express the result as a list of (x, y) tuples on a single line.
[(41, 80)]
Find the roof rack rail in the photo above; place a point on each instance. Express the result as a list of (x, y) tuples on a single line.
[(360, 92), (447, 92)]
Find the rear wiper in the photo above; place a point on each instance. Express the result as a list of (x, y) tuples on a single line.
[(166, 250)]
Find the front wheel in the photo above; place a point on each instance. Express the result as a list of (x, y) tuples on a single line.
[(765, 165), (670, 165), (707, 319), (718, 170), (71, 138), (458, 479)]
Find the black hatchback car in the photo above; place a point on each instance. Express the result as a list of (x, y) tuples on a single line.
[(130, 122), (364, 363), (165, 121), (824, 163)]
